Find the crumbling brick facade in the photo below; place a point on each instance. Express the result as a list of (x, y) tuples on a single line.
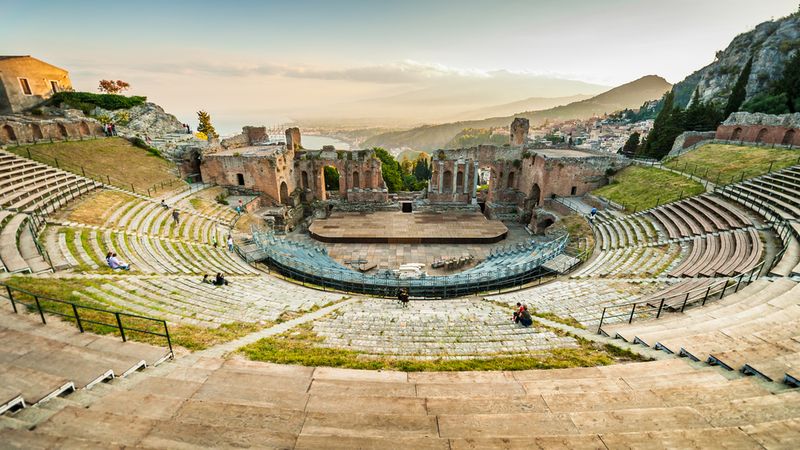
[(19, 129)]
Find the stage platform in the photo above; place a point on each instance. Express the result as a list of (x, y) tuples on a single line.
[(408, 228)]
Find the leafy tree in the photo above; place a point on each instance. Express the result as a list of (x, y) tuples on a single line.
[(739, 92), (331, 176), (667, 126), (205, 124), (767, 103), (112, 86), (632, 144), (421, 169), (390, 169)]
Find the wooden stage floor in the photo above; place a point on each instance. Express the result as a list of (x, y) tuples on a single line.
[(408, 228)]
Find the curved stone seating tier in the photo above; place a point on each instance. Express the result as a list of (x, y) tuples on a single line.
[(439, 329), (582, 300), (624, 232), (223, 403), (41, 362), (631, 262), (146, 217), (223, 213), (698, 215), (755, 327), (148, 254), (181, 299), (18, 250), (776, 197), (723, 254)]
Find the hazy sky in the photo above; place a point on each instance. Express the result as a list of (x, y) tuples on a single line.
[(269, 60)]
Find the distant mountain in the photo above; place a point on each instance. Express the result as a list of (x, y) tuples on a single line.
[(528, 104), (771, 44), (430, 137)]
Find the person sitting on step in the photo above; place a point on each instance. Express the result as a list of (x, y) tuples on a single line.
[(525, 317), (220, 280), (517, 313), (164, 204), (115, 263), (402, 295)]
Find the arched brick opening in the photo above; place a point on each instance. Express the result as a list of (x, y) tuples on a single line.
[(761, 134), (448, 181), (737, 134), (284, 193), (460, 182), (511, 180), (304, 179), (536, 194), (8, 133), (788, 137), (368, 179), (62, 130), (36, 132), (84, 129), (356, 180)]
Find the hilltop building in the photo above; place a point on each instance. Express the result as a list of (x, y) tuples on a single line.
[(26, 82)]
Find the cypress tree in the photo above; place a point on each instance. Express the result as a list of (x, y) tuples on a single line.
[(205, 124), (739, 92)]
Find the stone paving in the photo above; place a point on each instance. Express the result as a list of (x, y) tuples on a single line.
[(391, 256), (446, 329)]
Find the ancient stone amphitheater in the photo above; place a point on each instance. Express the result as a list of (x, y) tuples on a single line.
[(704, 288)]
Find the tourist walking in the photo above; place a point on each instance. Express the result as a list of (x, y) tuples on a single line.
[(176, 216), (214, 240), (230, 243)]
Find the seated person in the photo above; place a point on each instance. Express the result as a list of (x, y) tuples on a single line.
[(164, 204), (402, 295), (115, 263), (519, 310), (220, 280), (206, 279), (525, 317)]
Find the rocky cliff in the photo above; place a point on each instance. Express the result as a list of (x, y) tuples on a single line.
[(148, 120), (770, 44)]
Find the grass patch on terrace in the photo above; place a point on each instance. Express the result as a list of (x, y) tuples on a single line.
[(580, 233), (188, 336), (638, 188), (95, 208), (104, 158), (300, 346), (726, 162)]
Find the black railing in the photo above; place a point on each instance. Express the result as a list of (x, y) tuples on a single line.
[(82, 315), (654, 307)]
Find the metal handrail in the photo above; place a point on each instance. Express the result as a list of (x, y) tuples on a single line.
[(75, 308)]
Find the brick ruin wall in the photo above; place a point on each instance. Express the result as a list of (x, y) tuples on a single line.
[(16, 130), (779, 135)]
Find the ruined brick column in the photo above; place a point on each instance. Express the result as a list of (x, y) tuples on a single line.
[(441, 177), (466, 177), (475, 185), (455, 177)]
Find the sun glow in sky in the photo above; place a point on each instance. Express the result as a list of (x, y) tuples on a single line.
[(267, 61)]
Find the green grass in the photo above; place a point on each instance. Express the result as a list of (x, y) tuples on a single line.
[(115, 157), (638, 188), (190, 337), (300, 346), (727, 163)]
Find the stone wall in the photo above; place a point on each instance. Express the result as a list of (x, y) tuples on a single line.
[(19, 129), (688, 139), (360, 177), (761, 128)]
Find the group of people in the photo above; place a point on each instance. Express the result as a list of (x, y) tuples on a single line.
[(187, 128), (115, 263), (522, 316), (109, 129), (219, 280)]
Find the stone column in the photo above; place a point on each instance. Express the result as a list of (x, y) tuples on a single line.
[(466, 177), (441, 177), (455, 175), (475, 184)]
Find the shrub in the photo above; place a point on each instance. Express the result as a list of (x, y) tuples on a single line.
[(138, 142), (37, 112), (87, 101)]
